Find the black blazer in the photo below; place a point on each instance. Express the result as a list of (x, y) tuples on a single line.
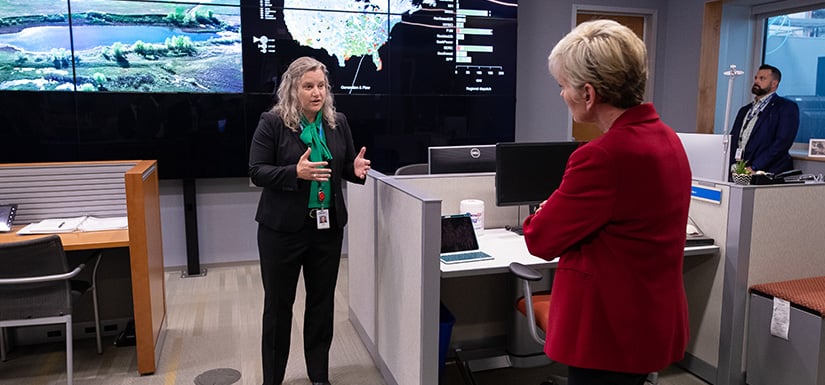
[(771, 138), (273, 157)]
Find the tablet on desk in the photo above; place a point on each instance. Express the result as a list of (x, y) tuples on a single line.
[(458, 240), (7, 213)]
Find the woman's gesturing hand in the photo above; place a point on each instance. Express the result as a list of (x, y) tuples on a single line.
[(309, 170)]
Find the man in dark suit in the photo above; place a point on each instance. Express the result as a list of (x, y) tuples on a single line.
[(765, 129)]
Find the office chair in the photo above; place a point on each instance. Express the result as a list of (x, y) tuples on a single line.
[(536, 307), (413, 169), (37, 288)]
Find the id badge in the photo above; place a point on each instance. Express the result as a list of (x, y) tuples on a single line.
[(322, 218), (738, 155)]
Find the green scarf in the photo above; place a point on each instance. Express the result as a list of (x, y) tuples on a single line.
[(312, 135)]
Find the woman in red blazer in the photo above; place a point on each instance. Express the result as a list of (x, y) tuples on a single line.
[(617, 221)]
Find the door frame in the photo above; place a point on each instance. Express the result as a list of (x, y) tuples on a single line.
[(650, 17)]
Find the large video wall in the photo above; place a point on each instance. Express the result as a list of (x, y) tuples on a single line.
[(184, 82)]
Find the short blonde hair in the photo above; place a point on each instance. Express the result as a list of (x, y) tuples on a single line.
[(607, 55), (288, 106)]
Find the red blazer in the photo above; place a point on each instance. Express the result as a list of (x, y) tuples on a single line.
[(617, 222)]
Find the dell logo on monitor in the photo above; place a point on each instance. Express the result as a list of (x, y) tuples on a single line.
[(475, 153)]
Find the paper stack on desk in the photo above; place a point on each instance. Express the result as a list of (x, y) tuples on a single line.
[(98, 224), (68, 225)]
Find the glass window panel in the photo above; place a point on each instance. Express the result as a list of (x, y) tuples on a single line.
[(795, 43)]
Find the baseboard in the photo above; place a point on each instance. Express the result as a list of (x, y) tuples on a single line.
[(32, 335), (699, 368)]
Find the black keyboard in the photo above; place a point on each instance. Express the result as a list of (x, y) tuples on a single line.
[(698, 240)]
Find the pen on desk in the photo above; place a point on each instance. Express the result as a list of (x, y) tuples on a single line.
[(61, 224)]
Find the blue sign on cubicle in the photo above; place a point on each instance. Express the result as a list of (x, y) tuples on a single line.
[(704, 193)]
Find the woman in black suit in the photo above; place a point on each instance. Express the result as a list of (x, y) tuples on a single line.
[(301, 151)]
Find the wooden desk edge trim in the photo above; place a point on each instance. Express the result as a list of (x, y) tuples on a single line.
[(71, 164), (145, 249)]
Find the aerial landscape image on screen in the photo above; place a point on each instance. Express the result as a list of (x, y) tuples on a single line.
[(121, 46)]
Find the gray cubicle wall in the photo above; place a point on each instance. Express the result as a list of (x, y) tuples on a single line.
[(767, 234), (361, 200), (394, 273), (704, 278), (394, 277), (453, 188), (781, 239)]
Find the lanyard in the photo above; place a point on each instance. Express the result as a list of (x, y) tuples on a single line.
[(757, 108)]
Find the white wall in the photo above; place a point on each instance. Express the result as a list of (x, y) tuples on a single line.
[(227, 230), (541, 114)]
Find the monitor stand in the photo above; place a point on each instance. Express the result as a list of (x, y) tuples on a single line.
[(517, 228)]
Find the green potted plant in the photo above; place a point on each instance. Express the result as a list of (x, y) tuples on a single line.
[(740, 172)]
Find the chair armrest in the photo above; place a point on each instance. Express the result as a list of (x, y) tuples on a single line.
[(525, 272), (42, 278)]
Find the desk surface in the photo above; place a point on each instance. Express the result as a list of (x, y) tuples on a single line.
[(506, 246), (78, 240)]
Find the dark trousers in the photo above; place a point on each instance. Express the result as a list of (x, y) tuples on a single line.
[(582, 376), (283, 255)]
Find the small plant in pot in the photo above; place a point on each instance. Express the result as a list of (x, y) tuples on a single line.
[(740, 173)]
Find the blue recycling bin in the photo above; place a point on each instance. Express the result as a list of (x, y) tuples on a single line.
[(445, 331)]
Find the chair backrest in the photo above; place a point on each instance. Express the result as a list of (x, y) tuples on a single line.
[(413, 169), (41, 256)]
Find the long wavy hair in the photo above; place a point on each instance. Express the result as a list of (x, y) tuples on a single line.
[(289, 107)]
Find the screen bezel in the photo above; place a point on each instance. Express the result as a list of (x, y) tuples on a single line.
[(528, 172), (457, 234), (460, 159)]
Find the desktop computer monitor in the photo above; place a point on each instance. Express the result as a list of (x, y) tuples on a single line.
[(462, 159), (527, 173)]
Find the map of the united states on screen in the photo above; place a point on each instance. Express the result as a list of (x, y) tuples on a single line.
[(359, 29)]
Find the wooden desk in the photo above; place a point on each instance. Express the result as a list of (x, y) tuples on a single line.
[(121, 188), (90, 240)]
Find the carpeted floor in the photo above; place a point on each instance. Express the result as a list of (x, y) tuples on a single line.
[(213, 334)]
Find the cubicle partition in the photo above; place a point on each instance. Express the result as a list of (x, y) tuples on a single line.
[(453, 188), (394, 237), (704, 279), (767, 233), (395, 286)]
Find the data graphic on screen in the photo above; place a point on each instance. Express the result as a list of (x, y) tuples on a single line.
[(185, 81), (396, 46), (122, 46)]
